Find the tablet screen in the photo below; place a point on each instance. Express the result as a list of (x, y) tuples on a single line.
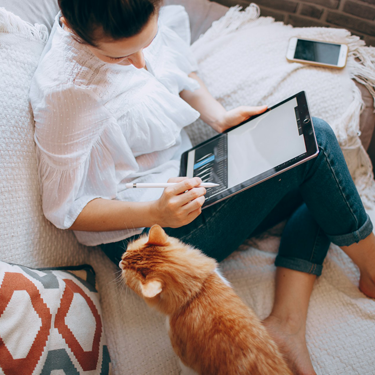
[(251, 152), (264, 143)]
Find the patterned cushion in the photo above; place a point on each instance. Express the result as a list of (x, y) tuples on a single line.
[(50, 319)]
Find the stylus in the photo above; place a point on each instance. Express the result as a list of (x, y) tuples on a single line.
[(134, 185)]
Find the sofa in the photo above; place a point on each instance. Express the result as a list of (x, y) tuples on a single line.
[(340, 332)]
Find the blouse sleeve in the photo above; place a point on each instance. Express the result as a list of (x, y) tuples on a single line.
[(75, 136)]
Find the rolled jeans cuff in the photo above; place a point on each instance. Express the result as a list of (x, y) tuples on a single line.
[(299, 265), (350, 238)]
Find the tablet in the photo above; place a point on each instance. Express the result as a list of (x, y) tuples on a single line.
[(268, 144)]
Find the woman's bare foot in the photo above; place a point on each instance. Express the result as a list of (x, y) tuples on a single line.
[(367, 284), (290, 338), (363, 255)]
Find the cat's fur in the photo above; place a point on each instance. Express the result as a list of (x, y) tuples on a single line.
[(211, 329)]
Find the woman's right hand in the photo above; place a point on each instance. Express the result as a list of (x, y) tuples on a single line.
[(180, 204)]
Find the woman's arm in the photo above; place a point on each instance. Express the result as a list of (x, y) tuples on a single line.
[(201, 100), (212, 112), (178, 206), (106, 215)]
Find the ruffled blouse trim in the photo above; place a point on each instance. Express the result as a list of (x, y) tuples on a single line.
[(155, 123)]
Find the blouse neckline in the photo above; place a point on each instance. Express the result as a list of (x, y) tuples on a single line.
[(82, 47)]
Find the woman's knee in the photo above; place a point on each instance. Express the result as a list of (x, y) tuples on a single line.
[(324, 133)]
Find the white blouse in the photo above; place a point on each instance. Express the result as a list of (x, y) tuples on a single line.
[(99, 126)]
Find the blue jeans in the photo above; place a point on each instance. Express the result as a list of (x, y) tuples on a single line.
[(319, 195)]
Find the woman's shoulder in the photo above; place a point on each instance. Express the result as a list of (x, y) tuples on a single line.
[(66, 63)]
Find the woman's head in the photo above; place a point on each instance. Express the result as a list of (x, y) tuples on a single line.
[(116, 31)]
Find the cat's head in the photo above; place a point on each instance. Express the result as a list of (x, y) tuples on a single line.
[(164, 271)]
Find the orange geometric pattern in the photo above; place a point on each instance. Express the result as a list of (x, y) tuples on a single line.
[(23, 366), (87, 359)]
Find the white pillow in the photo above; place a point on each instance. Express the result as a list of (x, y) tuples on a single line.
[(26, 236), (33, 11)]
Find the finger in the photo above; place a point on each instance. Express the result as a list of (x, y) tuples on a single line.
[(252, 111), (177, 179), (194, 204), (188, 184), (192, 194), (194, 214)]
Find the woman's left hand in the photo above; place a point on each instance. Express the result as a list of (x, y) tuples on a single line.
[(236, 116)]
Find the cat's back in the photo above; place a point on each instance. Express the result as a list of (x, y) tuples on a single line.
[(216, 333)]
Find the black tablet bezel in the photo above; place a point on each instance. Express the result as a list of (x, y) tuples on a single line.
[(310, 143)]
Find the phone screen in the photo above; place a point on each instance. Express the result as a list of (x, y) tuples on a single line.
[(326, 53)]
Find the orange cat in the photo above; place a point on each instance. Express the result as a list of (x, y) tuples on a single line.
[(211, 330)]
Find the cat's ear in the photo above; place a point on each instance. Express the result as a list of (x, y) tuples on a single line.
[(157, 236), (151, 288)]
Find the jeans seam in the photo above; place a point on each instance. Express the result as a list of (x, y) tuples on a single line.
[(339, 186), (314, 246)]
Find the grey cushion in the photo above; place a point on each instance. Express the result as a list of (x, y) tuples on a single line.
[(201, 14), (33, 11)]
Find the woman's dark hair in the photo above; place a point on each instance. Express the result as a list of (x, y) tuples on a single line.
[(114, 19)]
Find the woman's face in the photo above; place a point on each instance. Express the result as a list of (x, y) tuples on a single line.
[(127, 51)]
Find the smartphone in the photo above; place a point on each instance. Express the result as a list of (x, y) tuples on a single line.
[(317, 53)]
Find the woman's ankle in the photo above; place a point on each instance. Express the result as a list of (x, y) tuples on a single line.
[(363, 255), (291, 323), (367, 285)]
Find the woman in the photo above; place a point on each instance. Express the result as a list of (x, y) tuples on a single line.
[(114, 88)]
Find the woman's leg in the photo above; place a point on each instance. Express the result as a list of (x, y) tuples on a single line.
[(363, 255), (326, 187), (287, 322), (344, 220)]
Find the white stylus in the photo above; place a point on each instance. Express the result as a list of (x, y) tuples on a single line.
[(135, 185)]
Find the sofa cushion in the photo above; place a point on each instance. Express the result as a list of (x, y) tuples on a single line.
[(51, 320)]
